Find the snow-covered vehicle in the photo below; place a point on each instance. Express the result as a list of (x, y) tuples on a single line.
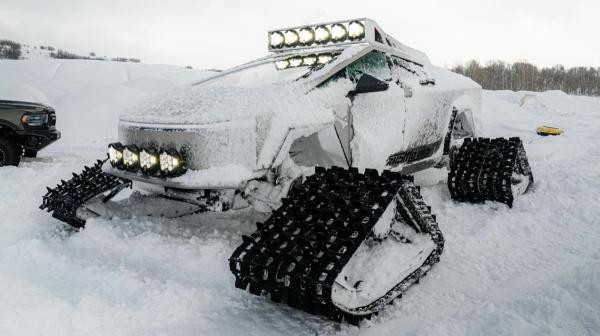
[(316, 141)]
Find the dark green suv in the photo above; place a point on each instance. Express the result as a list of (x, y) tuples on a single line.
[(25, 128)]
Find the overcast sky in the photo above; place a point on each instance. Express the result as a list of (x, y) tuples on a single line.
[(220, 34)]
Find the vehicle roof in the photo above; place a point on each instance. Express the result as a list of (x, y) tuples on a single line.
[(346, 54)]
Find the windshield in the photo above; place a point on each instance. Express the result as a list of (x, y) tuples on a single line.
[(256, 75)]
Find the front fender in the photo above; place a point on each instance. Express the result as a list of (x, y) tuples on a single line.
[(273, 155), (469, 104)]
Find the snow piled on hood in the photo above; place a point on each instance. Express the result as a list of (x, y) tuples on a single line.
[(196, 105)]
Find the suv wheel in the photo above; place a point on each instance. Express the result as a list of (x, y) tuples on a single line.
[(9, 153)]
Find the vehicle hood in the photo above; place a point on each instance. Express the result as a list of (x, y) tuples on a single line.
[(25, 106), (244, 126), (195, 105)]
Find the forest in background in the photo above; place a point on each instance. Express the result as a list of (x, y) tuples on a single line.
[(524, 76), (13, 50)]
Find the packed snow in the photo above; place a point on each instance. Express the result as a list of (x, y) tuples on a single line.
[(530, 270)]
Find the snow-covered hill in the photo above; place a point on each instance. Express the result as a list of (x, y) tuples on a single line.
[(30, 52), (89, 95), (530, 270)]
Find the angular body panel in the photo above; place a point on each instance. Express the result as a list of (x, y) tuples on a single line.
[(257, 114)]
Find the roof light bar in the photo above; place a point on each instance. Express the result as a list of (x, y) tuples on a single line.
[(337, 34), (304, 60), (343, 32)]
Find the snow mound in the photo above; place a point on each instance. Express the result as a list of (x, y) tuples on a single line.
[(16, 90), (89, 95)]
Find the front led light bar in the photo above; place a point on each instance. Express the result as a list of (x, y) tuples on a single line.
[(169, 162), (304, 60), (318, 35)]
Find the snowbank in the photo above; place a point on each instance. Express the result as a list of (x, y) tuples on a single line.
[(529, 270), (19, 91), (89, 95)]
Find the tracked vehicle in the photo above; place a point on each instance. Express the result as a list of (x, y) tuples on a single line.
[(316, 142)]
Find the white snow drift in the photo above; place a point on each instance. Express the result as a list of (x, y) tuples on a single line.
[(530, 270)]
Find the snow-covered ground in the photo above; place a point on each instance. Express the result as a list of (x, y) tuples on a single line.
[(530, 270)]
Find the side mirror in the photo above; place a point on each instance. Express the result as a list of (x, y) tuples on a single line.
[(367, 83)]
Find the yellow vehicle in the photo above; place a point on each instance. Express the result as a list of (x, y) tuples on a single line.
[(547, 130)]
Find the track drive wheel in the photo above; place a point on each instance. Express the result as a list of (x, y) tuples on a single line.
[(484, 169)]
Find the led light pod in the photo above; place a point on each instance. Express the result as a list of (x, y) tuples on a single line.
[(356, 30), (171, 163), (307, 36), (295, 61), (282, 64), (149, 161), (322, 35), (115, 154), (309, 59), (131, 157), (324, 58), (338, 32), (276, 40), (291, 38)]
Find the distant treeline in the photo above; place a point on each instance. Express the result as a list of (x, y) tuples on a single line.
[(499, 75), (9, 49), (12, 50), (62, 54)]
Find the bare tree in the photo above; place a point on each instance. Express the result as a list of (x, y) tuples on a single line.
[(522, 75)]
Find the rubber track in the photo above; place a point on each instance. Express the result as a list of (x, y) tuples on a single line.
[(482, 169), (296, 255), (64, 200)]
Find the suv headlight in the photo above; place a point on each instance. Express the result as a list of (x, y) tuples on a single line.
[(34, 119)]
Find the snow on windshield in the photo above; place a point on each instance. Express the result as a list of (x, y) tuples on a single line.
[(258, 89)]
